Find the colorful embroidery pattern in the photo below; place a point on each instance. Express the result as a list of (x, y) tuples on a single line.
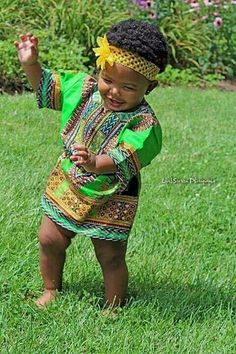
[(48, 94), (87, 228), (86, 203)]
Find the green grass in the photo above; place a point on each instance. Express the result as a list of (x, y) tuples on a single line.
[(181, 253)]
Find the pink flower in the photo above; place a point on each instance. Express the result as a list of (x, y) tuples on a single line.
[(194, 4), (218, 22), (152, 15), (233, 2), (208, 2), (145, 4)]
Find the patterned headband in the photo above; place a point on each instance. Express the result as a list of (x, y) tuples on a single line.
[(110, 54)]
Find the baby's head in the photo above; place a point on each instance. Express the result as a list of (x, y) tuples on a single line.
[(130, 56)]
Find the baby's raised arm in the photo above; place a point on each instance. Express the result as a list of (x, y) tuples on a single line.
[(28, 56)]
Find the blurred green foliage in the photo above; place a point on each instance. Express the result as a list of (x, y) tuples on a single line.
[(67, 32), (188, 77), (194, 39)]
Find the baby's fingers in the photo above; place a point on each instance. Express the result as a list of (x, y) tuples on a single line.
[(79, 147), (81, 153), (19, 45), (33, 39), (78, 160), (23, 37), (25, 45)]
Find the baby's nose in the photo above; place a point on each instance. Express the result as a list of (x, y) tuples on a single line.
[(114, 91)]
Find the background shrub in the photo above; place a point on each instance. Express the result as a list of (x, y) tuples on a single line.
[(68, 29), (187, 41), (201, 34), (218, 19)]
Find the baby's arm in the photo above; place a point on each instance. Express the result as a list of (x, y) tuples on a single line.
[(28, 56), (99, 164)]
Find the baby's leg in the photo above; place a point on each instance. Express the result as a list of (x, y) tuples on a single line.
[(111, 256), (53, 242)]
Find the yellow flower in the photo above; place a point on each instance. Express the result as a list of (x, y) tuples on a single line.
[(103, 52)]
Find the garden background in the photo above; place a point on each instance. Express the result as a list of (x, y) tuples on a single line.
[(181, 251), (201, 35)]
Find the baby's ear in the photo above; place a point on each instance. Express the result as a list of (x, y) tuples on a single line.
[(151, 86)]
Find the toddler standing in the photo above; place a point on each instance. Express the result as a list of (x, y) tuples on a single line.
[(109, 133)]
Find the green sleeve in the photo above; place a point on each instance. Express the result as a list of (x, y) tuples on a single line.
[(71, 92), (61, 91), (138, 144)]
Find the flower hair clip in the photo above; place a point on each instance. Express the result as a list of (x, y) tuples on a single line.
[(111, 54), (103, 52)]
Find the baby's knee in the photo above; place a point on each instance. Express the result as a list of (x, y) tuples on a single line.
[(47, 239), (52, 237), (111, 261), (53, 241)]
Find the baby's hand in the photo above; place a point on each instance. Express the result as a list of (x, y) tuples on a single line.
[(83, 157), (27, 49)]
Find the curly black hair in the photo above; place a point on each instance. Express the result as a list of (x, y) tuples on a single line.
[(142, 38)]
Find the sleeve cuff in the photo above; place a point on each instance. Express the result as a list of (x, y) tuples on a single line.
[(49, 91), (125, 167)]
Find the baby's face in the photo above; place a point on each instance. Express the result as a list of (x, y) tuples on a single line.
[(121, 88)]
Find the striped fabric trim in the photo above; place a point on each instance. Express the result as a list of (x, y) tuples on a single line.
[(126, 166), (91, 230), (49, 91)]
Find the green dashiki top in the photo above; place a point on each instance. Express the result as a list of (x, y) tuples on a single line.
[(96, 205)]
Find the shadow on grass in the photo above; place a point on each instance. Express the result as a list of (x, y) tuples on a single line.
[(186, 301), (193, 302)]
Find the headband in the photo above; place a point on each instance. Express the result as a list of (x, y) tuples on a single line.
[(107, 53)]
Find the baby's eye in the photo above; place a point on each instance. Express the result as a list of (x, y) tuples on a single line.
[(129, 88), (107, 81)]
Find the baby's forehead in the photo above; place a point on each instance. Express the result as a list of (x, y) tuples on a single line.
[(122, 73)]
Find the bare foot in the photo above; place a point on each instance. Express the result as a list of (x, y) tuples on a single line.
[(47, 297), (110, 313)]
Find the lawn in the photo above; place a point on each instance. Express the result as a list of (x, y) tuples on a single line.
[(181, 253)]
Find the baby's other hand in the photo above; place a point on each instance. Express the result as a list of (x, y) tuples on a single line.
[(27, 49), (83, 157)]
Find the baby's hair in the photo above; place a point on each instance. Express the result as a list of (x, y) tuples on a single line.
[(142, 38)]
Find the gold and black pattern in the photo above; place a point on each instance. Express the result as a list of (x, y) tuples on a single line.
[(73, 203), (117, 211), (93, 229), (145, 122), (93, 124), (94, 205), (56, 93), (135, 62), (111, 143)]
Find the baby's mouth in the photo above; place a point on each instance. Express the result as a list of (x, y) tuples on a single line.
[(114, 102)]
